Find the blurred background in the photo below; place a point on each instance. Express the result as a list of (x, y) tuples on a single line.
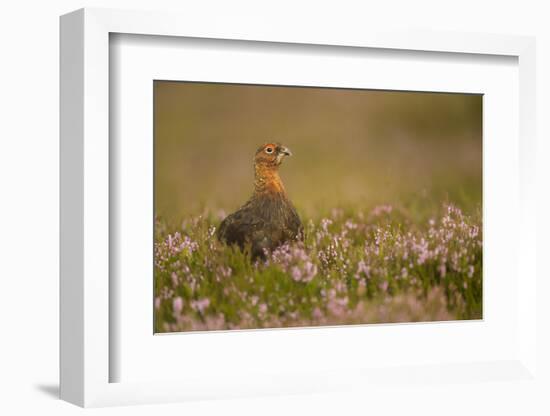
[(352, 148)]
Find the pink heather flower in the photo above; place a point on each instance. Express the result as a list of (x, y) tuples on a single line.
[(362, 268), (175, 279), (381, 209), (325, 222), (470, 271), (317, 314), (157, 303), (262, 308), (296, 273), (310, 270), (224, 272), (295, 261), (175, 244), (340, 287), (177, 304), (350, 225), (338, 307), (200, 305)]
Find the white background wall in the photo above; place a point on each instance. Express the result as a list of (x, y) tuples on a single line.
[(29, 205)]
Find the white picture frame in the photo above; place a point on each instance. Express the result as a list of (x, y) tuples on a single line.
[(85, 354)]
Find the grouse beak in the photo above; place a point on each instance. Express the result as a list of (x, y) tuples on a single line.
[(285, 151)]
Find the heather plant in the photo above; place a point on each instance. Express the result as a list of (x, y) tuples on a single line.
[(353, 267)]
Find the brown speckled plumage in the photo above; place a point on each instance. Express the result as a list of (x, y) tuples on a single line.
[(268, 218)]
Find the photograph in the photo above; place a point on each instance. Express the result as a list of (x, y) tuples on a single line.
[(281, 206)]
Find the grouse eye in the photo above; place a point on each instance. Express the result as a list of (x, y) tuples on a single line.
[(269, 150)]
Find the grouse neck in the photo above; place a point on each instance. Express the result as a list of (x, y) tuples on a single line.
[(268, 181)]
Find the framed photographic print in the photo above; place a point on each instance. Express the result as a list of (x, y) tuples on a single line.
[(270, 212)]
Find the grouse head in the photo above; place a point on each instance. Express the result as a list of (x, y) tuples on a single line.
[(271, 155)]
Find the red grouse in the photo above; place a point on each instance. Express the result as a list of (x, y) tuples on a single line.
[(268, 219)]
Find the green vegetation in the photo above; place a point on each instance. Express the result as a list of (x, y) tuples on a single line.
[(352, 268)]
